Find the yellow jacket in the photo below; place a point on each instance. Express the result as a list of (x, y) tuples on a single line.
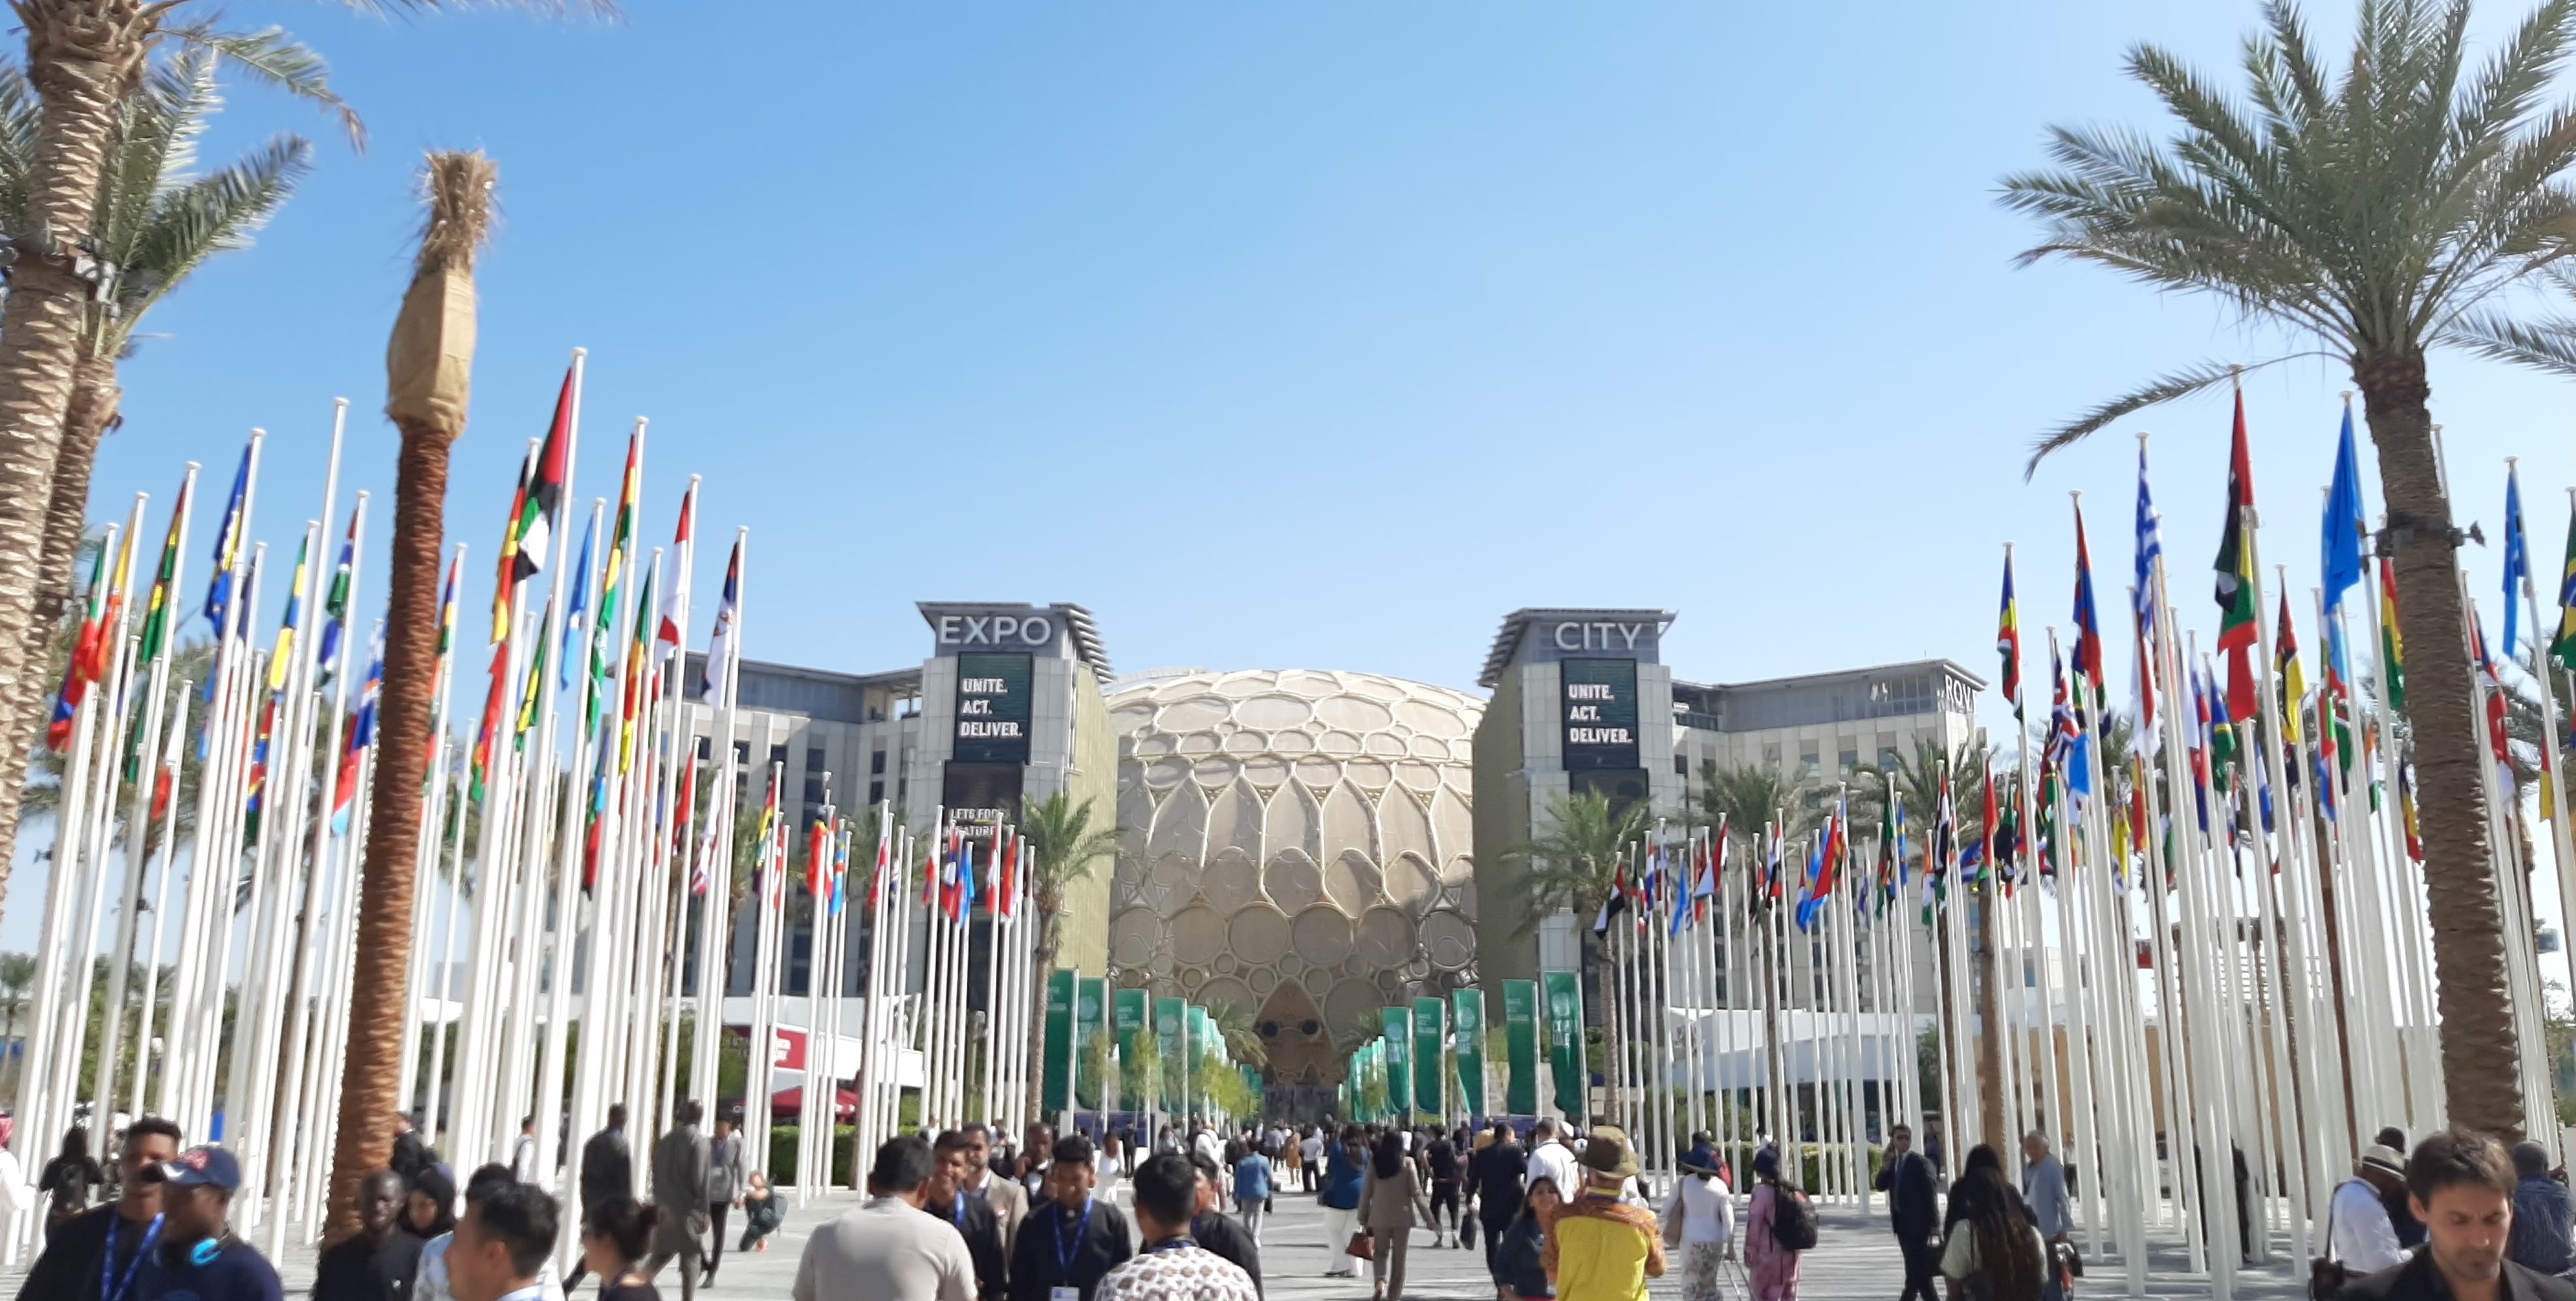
[(1603, 1249)]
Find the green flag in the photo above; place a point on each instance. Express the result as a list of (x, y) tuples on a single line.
[(1396, 1025), (1468, 1015), (1520, 1044), (1565, 1039), (1056, 1081), (1430, 1028), (1090, 1012)]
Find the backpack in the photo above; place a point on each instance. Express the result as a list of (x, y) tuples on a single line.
[(1793, 1221)]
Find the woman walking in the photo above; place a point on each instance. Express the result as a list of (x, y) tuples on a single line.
[(1773, 1268), (1391, 1203), (1341, 1199), (72, 1178), (1992, 1252), (1705, 1207), (1521, 1245)]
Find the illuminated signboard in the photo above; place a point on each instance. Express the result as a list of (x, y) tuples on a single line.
[(1600, 706), (993, 709)]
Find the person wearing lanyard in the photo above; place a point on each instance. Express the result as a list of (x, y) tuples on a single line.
[(1174, 1267), (197, 1256), (1066, 1248), (948, 1199), (79, 1250), (503, 1243), (889, 1249)]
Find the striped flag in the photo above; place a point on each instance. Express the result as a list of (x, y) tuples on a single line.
[(156, 612), (228, 548), (362, 733)]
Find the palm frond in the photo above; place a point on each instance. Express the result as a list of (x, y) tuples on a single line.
[(209, 215), (606, 9), (2547, 344), (277, 60), (2165, 388)]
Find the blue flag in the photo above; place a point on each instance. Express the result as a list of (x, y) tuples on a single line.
[(2341, 536), (2517, 560), (579, 610), (228, 551)]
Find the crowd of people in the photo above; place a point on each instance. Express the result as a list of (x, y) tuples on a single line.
[(965, 1215)]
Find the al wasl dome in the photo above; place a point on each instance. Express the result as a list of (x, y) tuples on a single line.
[(1303, 849)]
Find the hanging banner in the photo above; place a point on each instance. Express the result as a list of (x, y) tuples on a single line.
[(1396, 1024), (1056, 1087), (1520, 1047), (1169, 1017), (1469, 1018), (1430, 1076), (1565, 1039), (1090, 1021)]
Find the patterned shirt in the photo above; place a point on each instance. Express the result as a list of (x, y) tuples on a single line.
[(1187, 1272)]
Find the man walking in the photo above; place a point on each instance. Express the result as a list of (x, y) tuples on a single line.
[(1008, 1200), (679, 1191), (888, 1249), (1173, 1267), (726, 1176), (2043, 1189), (1215, 1230), (108, 1242), (607, 1175), (502, 1245), (1914, 1211), (1073, 1241), (1604, 1248), (2359, 1234), (1495, 1178), (946, 1199), (198, 1257), (1550, 1158), (2460, 1184)]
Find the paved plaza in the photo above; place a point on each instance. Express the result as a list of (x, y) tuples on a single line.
[(1855, 1258)]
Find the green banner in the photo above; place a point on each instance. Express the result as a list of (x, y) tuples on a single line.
[(1520, 1034), (1469, 1016), (1090, 1013), (1170, 1014), (1056, 1084), (1565, 1039), (1430, 1031), (1396, 1025), (1129, 1009)]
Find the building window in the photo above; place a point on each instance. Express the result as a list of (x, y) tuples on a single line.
[(778, 755), (706, 746), (742, 754), (1887, 758), (1681, 765), (876, 793), (1771, 755), (876, 763), (815, 759), (1848, 760), (1808, 761), (814, 788)]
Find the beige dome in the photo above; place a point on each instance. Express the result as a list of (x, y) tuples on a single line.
[(1301, 846)]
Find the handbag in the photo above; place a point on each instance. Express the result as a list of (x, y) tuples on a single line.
[(2069, 1261), (1467, 1231), (2327, 1275), (1361, 1246)]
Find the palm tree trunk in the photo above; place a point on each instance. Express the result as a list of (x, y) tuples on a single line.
[(2481, 1076), (1045, 906), (380, 989), (1991, 1088), (83, 55), (95, 398)]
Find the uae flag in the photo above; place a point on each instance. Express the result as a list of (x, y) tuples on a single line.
[(2237, 610), (535, 531)]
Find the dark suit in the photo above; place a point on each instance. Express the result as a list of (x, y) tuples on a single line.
[(607, 1169), (2416, 1281), (1913, 1208), (982, 1230), (1221, 1234), (680, 1195), (1035, 1269)]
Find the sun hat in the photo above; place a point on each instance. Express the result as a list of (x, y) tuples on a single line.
[(1608, 1152), (2387, 1160)]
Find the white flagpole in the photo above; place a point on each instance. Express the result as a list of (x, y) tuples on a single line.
[(440, 1097), (167, 769)]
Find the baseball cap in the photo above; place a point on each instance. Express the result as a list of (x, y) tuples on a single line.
[(203, 1166)]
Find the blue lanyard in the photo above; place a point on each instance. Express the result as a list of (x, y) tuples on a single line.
[(1064, 1251), (957, 1211), (108, 1290)]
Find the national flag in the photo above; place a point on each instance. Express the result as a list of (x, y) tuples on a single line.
[(528, 695), (667, 630), (2392, 646), (2294, 685), (76, 681), (447, 605), (2062, 729), (720, 642), (279, 660), (2406, 812), (1006, 889), (156, 611), (615, 577), (2088, 630), (1991, 829), (1939, 852), (2142, 597), (1616, 901), (254, 803), (362, 733), (99, 633), (639, 677), (2341, 530), (2517, 561), (840, 866), (577, 618), (2008, 640), (687, 815), (2493, 689), (818, 853), (228, 548), (535, 532), (496, 703), (1682, 896), (1824, 873), (335, 603), (2237, 581), (506, 582), (2562, 648)]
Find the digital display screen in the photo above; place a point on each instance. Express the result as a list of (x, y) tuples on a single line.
[(1600, 711), (993, 709)]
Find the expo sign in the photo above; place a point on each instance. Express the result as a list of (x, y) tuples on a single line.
[(996, 631)]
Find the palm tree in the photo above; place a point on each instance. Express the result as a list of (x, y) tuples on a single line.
[(1747, 797), (1574, 865), (430, 367), (2370, 212), (17, 980), (1063, 848)]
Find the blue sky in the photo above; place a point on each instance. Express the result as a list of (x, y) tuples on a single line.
[(1314, 335)]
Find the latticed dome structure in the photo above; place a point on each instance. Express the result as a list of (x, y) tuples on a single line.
[(1299, 845)]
